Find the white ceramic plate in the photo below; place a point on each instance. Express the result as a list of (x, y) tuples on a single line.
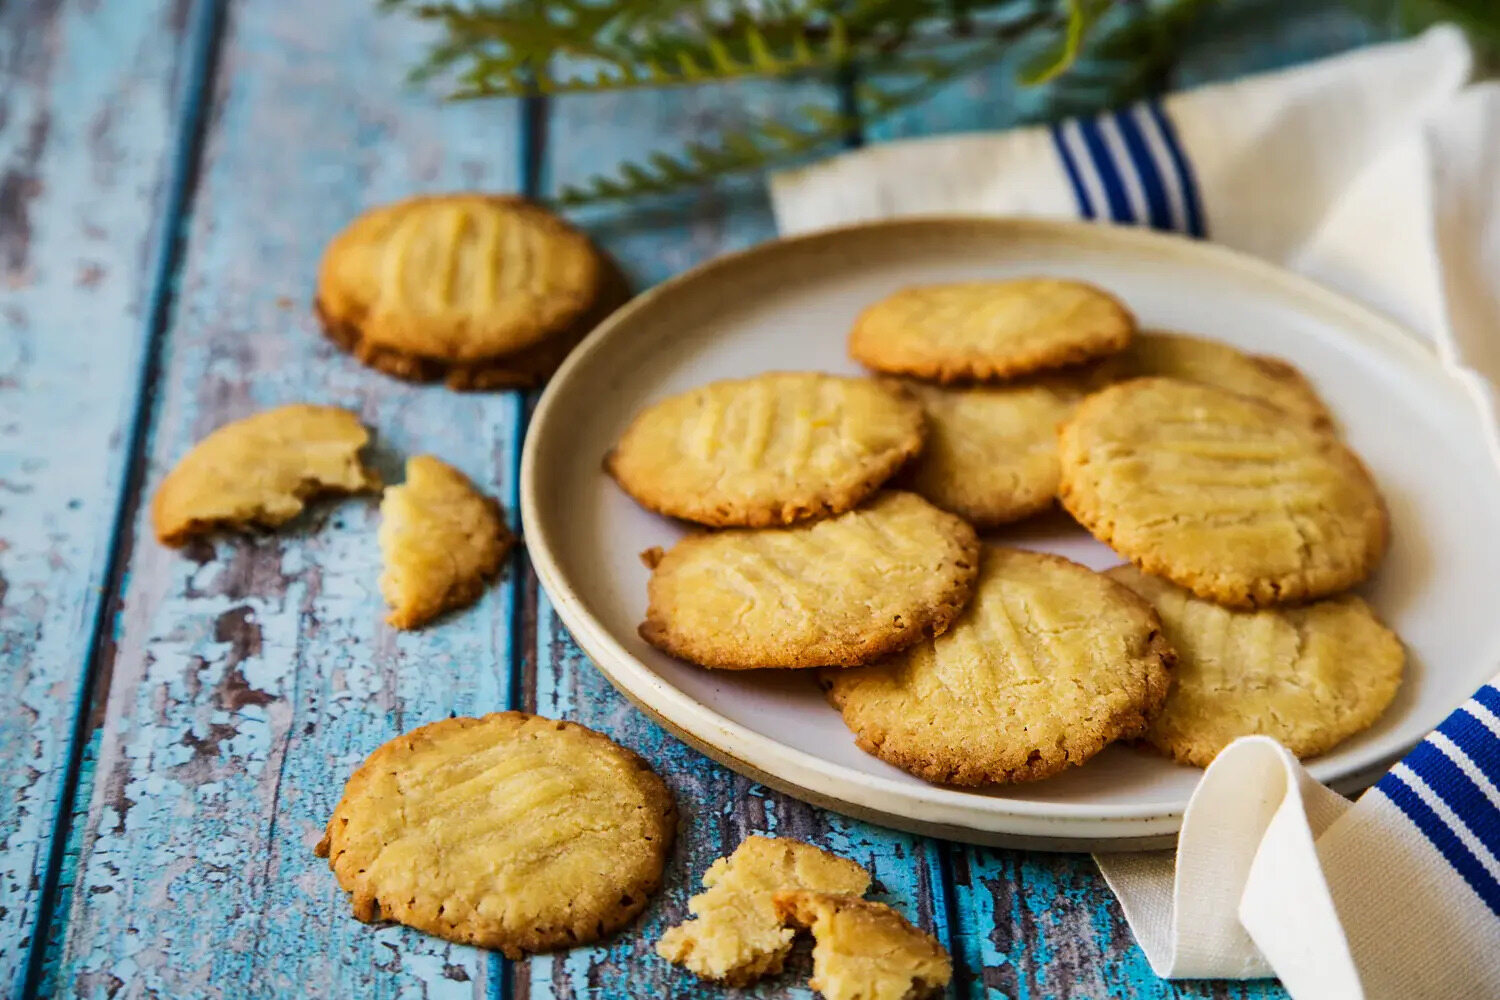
[(789, 304)]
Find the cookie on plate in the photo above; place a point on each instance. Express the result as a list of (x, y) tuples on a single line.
[(989, 329), (768, 450), (1194, 359), (510, 831), (1220, 493), (735, 935), (865, 950), (991, 452), (837, 592), (1049, 664), (261, 471), (481, 290), (441, 540), (1310, 676)]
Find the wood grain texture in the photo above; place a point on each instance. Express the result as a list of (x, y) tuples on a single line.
[(251, 674), (88, 109)]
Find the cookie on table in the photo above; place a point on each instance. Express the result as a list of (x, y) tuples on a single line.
[(990, 329), (838, 592), (483, 291), (1194, 359), (1050, 663), (261, 471), (441, 540), (735, 935), (510, 831), (1220, 493), (768, 450), (865, 950), (991, 451), (1310, 676)]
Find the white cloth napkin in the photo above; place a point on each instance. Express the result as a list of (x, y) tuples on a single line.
[(1378, 173)]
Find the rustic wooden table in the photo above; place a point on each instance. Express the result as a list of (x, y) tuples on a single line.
[(177, 725)]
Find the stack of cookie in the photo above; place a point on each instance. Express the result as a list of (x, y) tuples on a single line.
[(1218, 474)]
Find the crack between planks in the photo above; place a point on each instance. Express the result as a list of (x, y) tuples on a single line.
[(963, 977), (204, 38)]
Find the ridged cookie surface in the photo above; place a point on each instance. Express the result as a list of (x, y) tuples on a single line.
[(989, 329), (469, 282), (1194, 359), (735, 935), (841, 591), (771, 449), (1049, 664), (864, 950), (1220, 493), (441, 540), (1309, 676), (510, 831), (261, 471)]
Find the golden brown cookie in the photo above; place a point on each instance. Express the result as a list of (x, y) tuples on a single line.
[(484, 291), (735, 935), (1309, 676), (991, 452), (1220, 493), (1194, 359), (261, 471), (510, 831), (441, 540), (767, 450), (865, 950), (1049, 664), (836, 592), (989, 329)]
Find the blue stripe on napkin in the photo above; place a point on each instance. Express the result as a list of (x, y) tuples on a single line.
[(1186, 181), (1070, 167), (1461, 793), (1476, 741), (1158, 210), (1444, 839), (1109, 174)]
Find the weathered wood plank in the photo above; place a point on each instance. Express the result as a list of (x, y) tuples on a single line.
[(719, 807), (250, 675), (88, 101)]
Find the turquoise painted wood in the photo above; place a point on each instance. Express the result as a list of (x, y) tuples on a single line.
[(89, 105), (239, 681), (249, 675)]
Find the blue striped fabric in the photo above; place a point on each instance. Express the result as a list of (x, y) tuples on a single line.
[(1447, 787), (1144, 177)]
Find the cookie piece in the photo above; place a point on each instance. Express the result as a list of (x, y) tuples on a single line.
[(1220, 493), (769, 450), (1049, 664), (461, 284), (1194, 359), (837, 592), (865, 950), (735, 935), (261, 471), (1309, 676), (509, 831), (991, 452), (989, 329), (441, 540)]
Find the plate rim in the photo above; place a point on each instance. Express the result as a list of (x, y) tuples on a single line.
[(805, 775)]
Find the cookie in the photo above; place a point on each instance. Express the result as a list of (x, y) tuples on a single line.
[(1194, 359), (1309, 676), (991, 452), (735, 935), (261, 471), (1220, 493), (989, 329), (769, 450), (481, 290), (1049, 664), (510, 831), (865, 950), (837, 592), (441, 540)]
